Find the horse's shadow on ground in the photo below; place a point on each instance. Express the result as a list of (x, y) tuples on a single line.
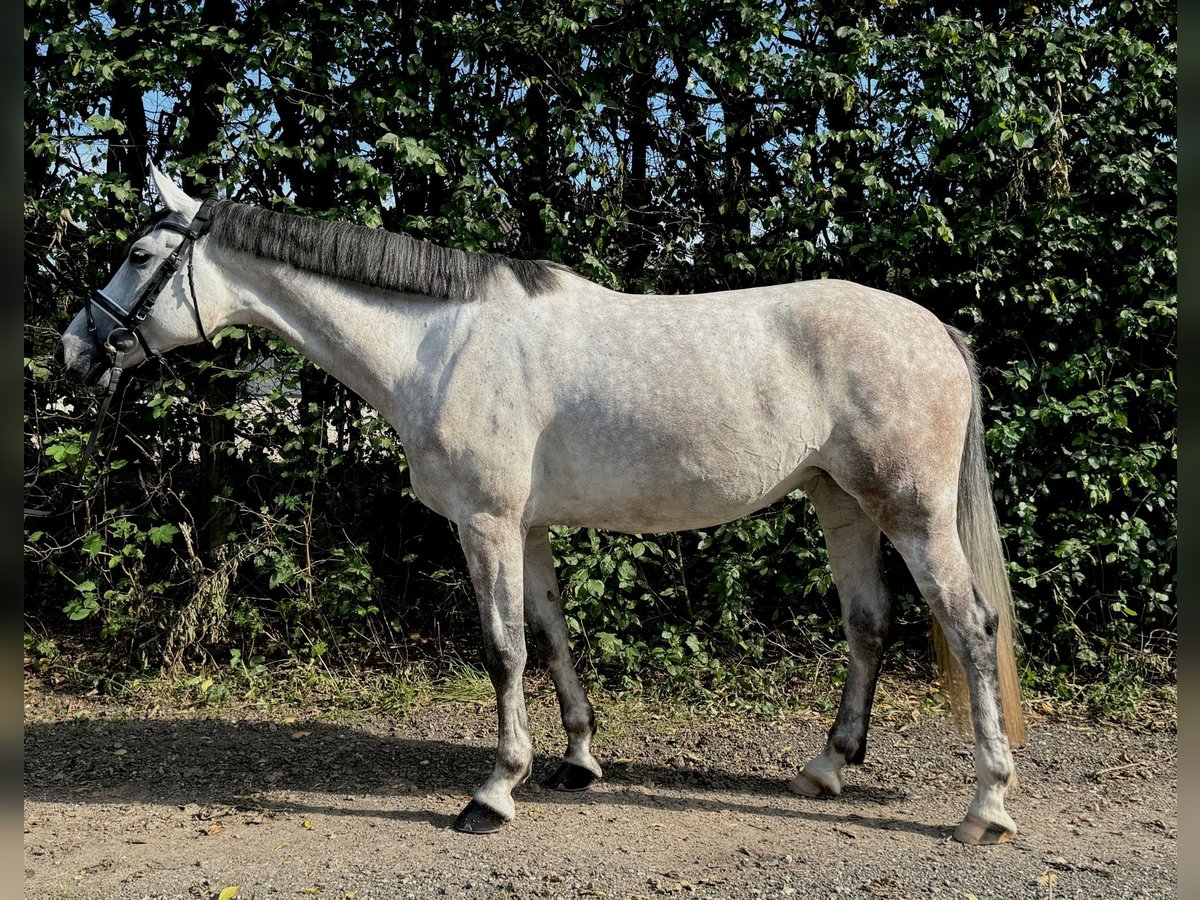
[(261, 766)]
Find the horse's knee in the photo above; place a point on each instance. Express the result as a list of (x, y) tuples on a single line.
[(504, 661)]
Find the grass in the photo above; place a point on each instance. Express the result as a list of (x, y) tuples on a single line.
[(463, 684), (1134, 689)]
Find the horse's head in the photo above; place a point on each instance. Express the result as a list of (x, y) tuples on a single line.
[(150, 305)]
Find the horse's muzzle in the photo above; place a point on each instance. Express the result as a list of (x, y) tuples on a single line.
[(81, 362)]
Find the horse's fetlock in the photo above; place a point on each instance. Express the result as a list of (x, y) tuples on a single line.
[(579, 726), (515, 762), (1003, 775), (852, 751), (859, 753)]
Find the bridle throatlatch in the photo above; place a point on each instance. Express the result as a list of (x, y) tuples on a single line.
[(127, 336)]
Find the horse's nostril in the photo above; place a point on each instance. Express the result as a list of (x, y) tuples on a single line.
[(59, 354)]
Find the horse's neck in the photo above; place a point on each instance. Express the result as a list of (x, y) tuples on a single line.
[(377, 345)]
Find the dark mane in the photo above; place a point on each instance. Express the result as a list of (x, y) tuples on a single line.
[(370, 256)]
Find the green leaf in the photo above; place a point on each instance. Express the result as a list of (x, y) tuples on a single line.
[(162, 534)]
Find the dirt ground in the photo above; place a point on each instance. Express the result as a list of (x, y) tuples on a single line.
[(128, 801)]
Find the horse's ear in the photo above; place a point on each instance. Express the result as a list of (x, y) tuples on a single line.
[(172, 196)]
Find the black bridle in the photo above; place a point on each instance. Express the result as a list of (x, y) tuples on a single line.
[(127, 336)]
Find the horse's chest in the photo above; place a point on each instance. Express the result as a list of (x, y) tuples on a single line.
[(482, 465)]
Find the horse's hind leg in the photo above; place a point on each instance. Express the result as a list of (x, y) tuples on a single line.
[(852, 540), (543, 613), (934, 555)]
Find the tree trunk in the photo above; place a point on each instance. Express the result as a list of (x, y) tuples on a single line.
[(734, 221), (205, 127), (639, 193), (127, 153)]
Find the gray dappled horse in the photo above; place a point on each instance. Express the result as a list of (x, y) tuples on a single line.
[(526, 396)]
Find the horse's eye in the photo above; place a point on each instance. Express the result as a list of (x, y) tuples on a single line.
[(138, 257)]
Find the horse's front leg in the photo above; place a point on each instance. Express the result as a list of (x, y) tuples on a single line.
[(544, 613), (494, 548)]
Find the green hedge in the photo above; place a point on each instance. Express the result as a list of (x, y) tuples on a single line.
[(1013, 168)]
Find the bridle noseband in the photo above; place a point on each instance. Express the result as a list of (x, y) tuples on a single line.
[(126, 338)]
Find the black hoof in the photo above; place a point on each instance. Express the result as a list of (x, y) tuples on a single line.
[(570, 777), (479, 819)]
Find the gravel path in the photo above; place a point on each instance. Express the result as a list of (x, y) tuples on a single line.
[(125, 802)]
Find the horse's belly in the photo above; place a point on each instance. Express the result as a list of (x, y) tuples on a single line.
[(660, 490), (642, 517)]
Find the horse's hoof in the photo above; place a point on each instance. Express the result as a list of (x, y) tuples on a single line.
[(979, 832), (571, 777), (807, 786), (479, 819)]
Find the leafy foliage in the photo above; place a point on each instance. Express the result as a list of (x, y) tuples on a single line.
[(1012, 167)]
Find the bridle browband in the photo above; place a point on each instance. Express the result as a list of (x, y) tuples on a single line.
[(127, 337)]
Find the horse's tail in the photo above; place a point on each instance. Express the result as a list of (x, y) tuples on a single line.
[(980, 538)]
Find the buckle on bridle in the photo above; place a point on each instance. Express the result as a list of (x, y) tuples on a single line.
[(121, 341)]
